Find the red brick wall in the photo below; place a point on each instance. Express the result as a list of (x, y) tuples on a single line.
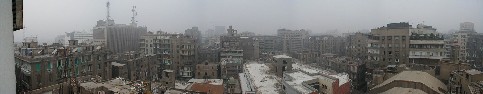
[(343, 89)]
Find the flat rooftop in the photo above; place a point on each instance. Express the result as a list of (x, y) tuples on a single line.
[(117, 85), (342, 77), (416, 76), (473, 72), (264, 82), (281, 56), (296, 79), (209, 81)]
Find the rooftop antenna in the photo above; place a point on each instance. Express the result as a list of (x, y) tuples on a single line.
[(108, 14), (134, 14)]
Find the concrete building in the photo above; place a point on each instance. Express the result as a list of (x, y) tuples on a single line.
[(194, 33), (246, 34), (447, 67), (209, 54), (466, 82), (293, 41), (301, 83), (82, 37), (306, 81), (207, 70), (268, 44), (475, 52), (177, 50), (460, 41), (11, 19), (467, 27), (246, 84), (118, 38), (231, 54), (280, 64), (140, 67), (426, 46), (39, 66), (411, 81), (327, 44), (458, 45), (230, 67), (357, 45), (211, 86), (389, 45), (119, 70), (250, 47), (114, 86), (233, 86), (220, 31)]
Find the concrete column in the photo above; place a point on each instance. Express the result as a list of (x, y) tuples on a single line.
[(7, 62)]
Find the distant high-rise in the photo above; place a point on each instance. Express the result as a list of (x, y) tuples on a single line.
[(194, 33), (467, 27), (81, 37), (118, 37), (219, 30), (460, 40), (293, 41)]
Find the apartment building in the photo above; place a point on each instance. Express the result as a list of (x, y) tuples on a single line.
[(293, 41), (207, 70), (177, 50), (460, 41), (475, 50), (39, 66), (357, 45), (389, 45), (426, 46)]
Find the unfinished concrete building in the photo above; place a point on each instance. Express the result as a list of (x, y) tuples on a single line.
[(280, 64)]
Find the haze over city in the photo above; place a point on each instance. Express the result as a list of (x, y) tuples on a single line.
[(48, 18)]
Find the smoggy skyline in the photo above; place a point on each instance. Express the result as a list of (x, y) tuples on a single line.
[(49, 18)]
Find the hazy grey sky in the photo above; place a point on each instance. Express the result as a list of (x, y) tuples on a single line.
[(48, 18)]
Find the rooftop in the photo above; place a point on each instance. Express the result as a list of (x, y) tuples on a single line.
[(343, 77), (208, 81), (245, 83), (264, 82), (296, 80), (211, 86), (117, 64), (473, 72), (208, 88), (118, 86), (400, 90), (281, 56), (416, 76)]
